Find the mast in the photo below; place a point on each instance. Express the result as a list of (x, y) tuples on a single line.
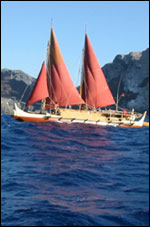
[(117, 101), (83, 81)]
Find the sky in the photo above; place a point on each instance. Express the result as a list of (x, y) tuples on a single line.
[(113, 27)]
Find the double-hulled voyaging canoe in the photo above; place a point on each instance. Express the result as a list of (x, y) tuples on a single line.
[(59, 95)]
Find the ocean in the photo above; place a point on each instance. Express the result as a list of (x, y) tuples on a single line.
[(55, 174)]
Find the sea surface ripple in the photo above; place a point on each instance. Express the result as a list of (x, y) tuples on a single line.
[(73, 175)]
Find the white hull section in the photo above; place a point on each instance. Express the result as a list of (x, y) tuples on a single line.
[(20, 113)]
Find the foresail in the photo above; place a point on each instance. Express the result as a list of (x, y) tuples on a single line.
[(94, 88), (61, 88), (40, 90)]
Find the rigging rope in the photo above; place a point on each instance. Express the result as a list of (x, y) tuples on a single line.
[(23, 93)]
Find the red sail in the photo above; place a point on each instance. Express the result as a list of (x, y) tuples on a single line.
[(61, 88), (94, 88), (40, 90)]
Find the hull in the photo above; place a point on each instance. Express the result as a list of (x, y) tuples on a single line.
[(80, 116)]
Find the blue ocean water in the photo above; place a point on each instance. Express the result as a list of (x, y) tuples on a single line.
[(73, 175)]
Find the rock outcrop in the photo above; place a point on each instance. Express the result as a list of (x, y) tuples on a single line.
[(132, 71), (15, 86)]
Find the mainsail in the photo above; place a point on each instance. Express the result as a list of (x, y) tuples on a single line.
[(61, 88), (94, 89), (40, 90)]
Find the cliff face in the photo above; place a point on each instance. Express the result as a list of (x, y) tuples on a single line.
[(15, 86), (132, 69)]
